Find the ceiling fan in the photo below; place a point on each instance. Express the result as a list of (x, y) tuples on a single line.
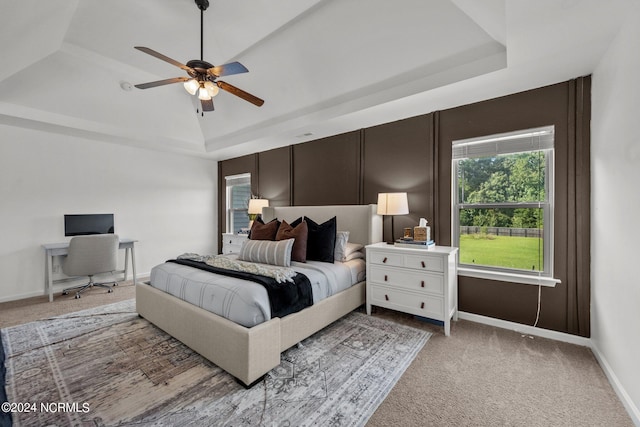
[(203, 76)]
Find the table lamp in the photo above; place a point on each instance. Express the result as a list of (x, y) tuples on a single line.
[(392, 204), (255, 208)]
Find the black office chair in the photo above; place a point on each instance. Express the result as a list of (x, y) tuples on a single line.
[(90, 255)]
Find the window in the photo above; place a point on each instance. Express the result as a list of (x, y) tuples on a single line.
[(503, 206), (238, 195)]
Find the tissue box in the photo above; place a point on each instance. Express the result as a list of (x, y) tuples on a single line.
[(421, 233)]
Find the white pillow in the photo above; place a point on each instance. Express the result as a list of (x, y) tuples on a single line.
[(351, 248), (353, 255), (342, 237), (267, 252)]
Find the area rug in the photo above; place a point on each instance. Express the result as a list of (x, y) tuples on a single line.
[(108, 367)]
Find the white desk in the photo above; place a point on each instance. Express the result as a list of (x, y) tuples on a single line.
[(57, 249)]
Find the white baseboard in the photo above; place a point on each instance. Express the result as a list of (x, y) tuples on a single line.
[(628, 404), (526, 329), (58, 288), (631, 408)]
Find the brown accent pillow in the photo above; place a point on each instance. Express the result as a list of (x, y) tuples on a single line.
[(262, 231), (300, 233)]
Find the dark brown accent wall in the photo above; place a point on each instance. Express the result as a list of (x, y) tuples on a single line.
[(398, 157), (414, 155), (556, 105), (327, 171), (274, 176)]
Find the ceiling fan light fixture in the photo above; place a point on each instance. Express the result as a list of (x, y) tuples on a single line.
[(211, 88), (203, 75), (192, 86), (203, 94)]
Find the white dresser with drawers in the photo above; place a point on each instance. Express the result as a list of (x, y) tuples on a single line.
[(232, 243), (423, 282)]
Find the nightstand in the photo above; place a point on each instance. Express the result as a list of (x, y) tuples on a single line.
[(232, 243), (423, 282)]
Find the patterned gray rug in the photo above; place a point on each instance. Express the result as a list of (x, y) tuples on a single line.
[(106, 366)]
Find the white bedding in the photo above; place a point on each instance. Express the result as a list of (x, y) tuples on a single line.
[(245, 302)]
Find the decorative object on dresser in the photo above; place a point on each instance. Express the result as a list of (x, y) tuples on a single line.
[(415, 281), (255, 209), (392, 204), (422, 232), (410, 243), (232, 243)]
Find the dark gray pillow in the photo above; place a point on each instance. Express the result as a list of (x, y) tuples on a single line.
[(321, 239)]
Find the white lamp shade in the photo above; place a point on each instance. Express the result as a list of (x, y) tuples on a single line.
[(211, 88), (393, 204), (256, 205), (192, 86), (203, 94)]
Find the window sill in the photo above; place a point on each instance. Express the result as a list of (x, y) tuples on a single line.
[(508, 277)]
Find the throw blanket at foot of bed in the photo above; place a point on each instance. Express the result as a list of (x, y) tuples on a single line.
[(285, 298)]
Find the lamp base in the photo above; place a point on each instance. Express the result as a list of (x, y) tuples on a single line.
[(391, 241)]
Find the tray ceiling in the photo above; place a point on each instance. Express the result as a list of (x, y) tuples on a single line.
[(322, 66)]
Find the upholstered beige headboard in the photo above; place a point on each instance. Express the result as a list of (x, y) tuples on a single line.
[(361, 221)]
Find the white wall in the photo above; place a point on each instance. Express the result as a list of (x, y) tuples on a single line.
[(615, 235), (167, 202)]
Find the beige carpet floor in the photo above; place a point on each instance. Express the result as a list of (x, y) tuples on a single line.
[(479, 376)]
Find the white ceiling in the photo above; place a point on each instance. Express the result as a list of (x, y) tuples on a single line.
[(322, 66)]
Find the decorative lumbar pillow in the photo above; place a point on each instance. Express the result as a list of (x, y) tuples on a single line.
[(267, 252), (300, 233), (321, 242), (342, 237), (262, 231)]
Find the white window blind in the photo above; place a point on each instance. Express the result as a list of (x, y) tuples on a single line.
[(507, 143)]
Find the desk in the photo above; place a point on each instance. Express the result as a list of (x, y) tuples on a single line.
[(57, 249)]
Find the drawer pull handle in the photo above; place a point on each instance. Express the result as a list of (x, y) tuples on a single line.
[(386, 278), (384, 260), (230, 241), (422, 283), (422, 262), (386, 297), (422, 305)]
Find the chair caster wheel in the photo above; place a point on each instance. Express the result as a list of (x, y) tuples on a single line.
[(77, 296), (65, 293), (110, 291)]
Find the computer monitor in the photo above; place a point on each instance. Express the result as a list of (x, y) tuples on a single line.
[(84, 224)]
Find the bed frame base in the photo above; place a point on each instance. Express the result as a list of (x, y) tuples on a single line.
[(246, 353)]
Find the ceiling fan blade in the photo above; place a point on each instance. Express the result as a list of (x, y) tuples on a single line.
[(162, 82), (162, 57), (207, 105), (240, 93), (227, 69)]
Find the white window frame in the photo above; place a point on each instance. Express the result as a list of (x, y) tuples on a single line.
[(230, 181), (537, 139)]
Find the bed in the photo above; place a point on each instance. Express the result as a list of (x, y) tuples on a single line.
[(248, 353)]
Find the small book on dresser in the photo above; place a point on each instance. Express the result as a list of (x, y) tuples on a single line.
[(421, 244)]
